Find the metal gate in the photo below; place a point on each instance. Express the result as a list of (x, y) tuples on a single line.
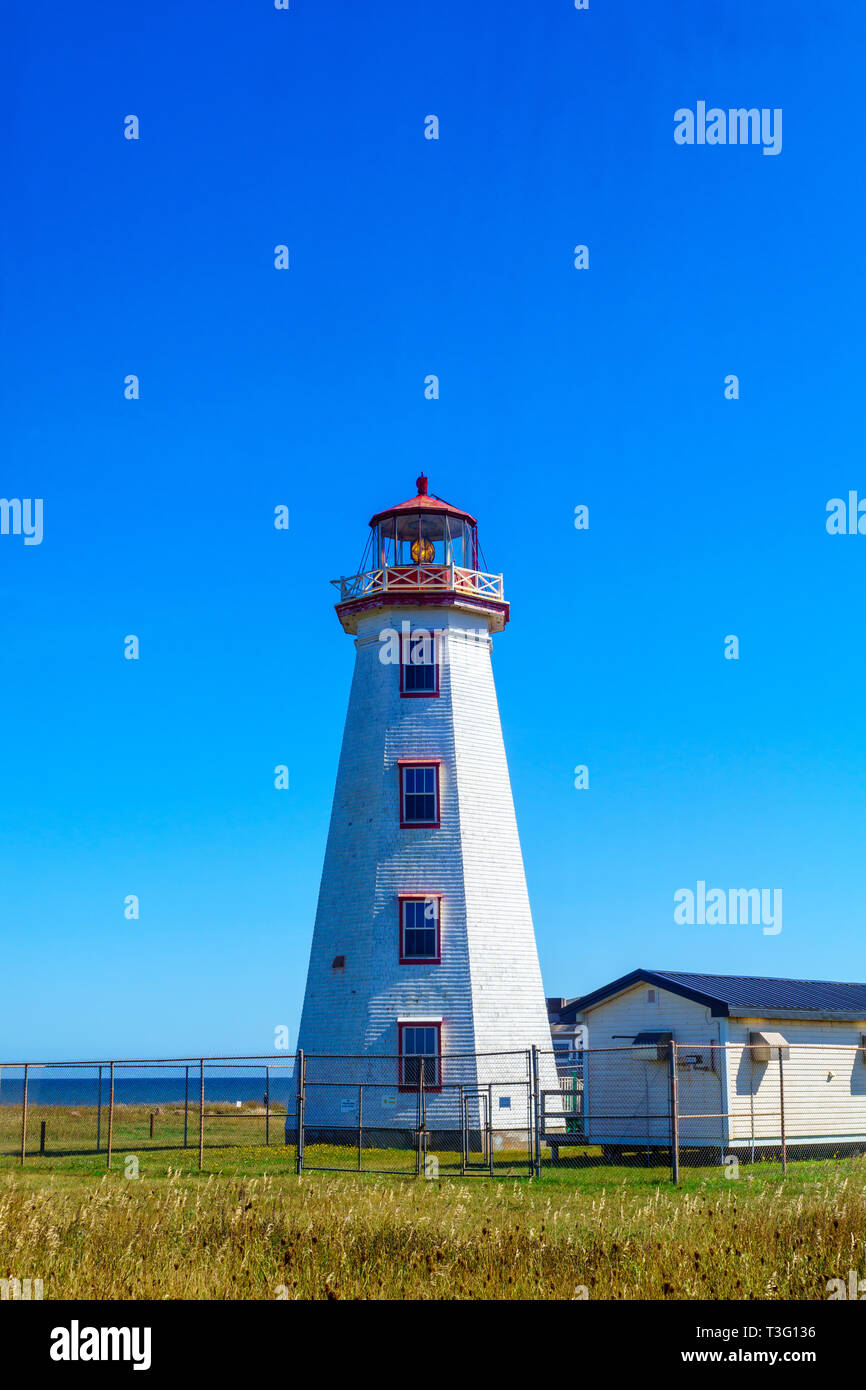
[(477, 1155)]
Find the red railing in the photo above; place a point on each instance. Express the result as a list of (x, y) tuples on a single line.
[(415, 578)]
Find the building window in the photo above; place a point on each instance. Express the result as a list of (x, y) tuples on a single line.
[(419, 930), (419, 794), (420, 1041), (419, 665)]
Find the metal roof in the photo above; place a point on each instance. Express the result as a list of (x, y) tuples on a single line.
[(424, 502), (738, 994)]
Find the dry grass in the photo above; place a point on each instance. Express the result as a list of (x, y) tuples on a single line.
[(72, 1130), (320, 1236)]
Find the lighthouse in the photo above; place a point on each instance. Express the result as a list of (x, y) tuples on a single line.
[(423, 964)]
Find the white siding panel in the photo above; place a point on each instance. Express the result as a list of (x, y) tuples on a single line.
[(627, 1093), (488, 988), (824, 1083)]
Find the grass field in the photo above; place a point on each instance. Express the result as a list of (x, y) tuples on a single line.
[(248, 1227)]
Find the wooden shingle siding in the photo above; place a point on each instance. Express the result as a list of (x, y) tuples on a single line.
[(487, 988)]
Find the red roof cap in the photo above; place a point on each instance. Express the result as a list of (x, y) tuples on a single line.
[(423, 502)]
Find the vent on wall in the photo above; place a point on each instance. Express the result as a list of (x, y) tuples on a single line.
[(768, 1047), (660, 1041)]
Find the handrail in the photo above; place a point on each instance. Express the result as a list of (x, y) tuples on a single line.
[(424, 578)]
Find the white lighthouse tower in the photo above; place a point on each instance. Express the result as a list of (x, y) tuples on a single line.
[(423, 946)]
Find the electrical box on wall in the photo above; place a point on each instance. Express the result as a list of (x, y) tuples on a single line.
[(660, 1041), (768, 1047)]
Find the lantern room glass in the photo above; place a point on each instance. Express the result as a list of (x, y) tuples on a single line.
[(425, 538)]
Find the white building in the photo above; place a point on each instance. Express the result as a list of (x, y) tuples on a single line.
[(568, 1039), (423, 949), (732, 1032)]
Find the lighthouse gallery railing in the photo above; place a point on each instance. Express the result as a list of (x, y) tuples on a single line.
[(425, 578)]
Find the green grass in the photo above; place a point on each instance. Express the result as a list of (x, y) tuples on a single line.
[(234, 1145), (249, 1227), (192, 1235)]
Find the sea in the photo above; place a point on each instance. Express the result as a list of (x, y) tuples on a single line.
[(143, 1090)]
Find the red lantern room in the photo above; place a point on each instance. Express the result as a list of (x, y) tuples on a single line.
[(422, 552), (425, 530)]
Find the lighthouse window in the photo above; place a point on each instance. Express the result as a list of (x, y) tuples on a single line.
[(419, 794), (419, 930), (419, 668), (417, 1041)]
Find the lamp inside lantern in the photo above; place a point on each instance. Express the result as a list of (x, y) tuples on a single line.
[(423, 551)]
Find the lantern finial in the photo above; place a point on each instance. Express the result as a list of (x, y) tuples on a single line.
[(421, 484)]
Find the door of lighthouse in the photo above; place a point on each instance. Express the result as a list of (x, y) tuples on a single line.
[(477, 1147)]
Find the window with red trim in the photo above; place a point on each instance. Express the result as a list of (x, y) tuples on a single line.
[(419, 664), (420, 1041), (419, 793), (419, 929)]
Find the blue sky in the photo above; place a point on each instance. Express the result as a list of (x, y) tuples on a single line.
[(558, 387)]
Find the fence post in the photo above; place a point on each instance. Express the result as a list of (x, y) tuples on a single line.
[(267, 1106), (782, 1111), (420, 1114), (536, 1114), (99, 1113), (110, 1116), (530, 1143), (360, 1122), (299, 1157), (201, 1115), (490, 1127), (675, 1113), (24, 1114), (185, 1106)]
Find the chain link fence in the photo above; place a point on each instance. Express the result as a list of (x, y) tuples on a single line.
[(72, 1110), (456, 1114), (675, 1105), (665, 1106)]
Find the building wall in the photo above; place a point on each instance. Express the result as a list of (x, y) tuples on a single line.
[(627, 1090), (487, 988), (824, 1082), (614, 1022), (508, 1002)]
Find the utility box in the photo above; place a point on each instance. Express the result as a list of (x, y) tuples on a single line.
[(768, 1047), (660, 1041)]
